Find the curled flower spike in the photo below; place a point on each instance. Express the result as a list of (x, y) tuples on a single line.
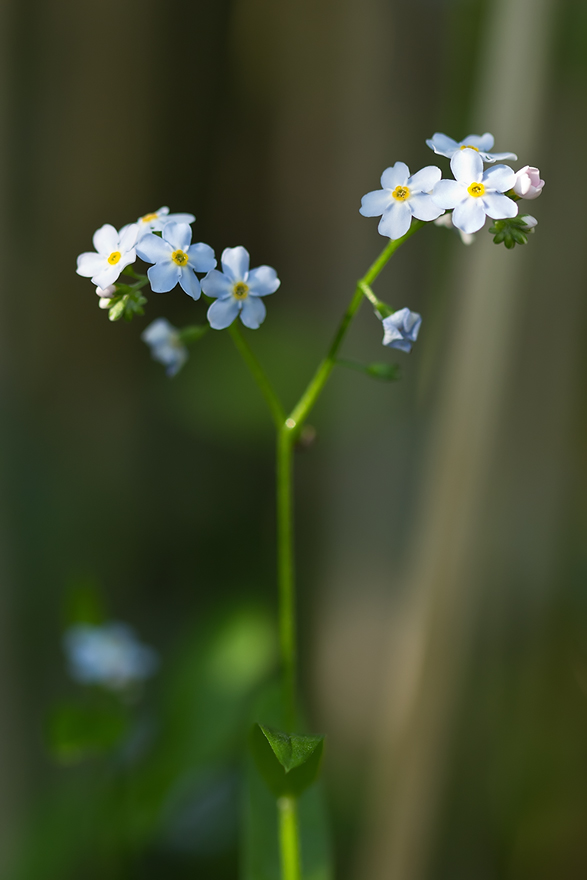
[(481, 143), (475, 194), (115, 251), (401, 198), (166, 346), (109, 655), (157, 220), (401, 329), (176, 259), (238, 290)]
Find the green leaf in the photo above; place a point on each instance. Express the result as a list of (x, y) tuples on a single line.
[(77, 732), (289, 763)]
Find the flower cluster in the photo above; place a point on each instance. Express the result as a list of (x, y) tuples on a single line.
[(472, 195), (165, 241)]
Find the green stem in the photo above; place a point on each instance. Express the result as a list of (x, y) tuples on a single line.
[(289, 839), (318, 381), (285, 574), (259, 376)]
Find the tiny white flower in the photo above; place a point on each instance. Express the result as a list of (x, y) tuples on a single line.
[(109, 291), (481, 143), (238, 290), (176, 259), (446, 221), (528, 184), (166, 346), (401, 329), (109, 655), (157, 220), (475, 194), (115, 251), (401, 198)]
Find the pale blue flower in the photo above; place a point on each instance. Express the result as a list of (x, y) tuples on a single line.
[(157, 220), (401, 329), (238, 290), (109, 655), (402, 198), (481, 143), (176, 259), (166, 346), (475, 194), (115, 251)]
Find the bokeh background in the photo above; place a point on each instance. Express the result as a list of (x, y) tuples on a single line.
[(441, 520)]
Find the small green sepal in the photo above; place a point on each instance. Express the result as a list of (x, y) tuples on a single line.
[(288, 762), (510, 232)]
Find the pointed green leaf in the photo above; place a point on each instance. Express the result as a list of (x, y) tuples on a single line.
[(289, 763)]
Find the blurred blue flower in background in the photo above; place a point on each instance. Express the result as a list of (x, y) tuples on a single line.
[(109, 655), (401, 329), (166, 346)]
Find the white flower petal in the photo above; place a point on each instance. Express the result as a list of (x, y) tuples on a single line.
[(373, 204), (107, 275), (467, 166), (397, 175), (500, 178), (499, 206), (105, 240), (448, 193), (126, 259), (202, 257), (424, 180), (177, 218), (253, 312), (483, 142), (497, 157), (442, 144), (163, 276), (222, 313), (423, 207), (235, 262), (179, 235), (128, 236), (153, 249), (262, 281), (90, 263), (396, 221), (217, 284), (189, 282), (469, 215)]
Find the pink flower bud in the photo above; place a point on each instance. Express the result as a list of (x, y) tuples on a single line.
[(528, 184)]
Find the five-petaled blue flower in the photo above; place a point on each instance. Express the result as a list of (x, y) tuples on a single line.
[(166, 346), (401, 329), (176, 259), (238, 290), (481, 143), (109, 655), (402, 198)]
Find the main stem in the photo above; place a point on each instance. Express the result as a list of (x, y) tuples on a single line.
[(289, 838), (285, 574)]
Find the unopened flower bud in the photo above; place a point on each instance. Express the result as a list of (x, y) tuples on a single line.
[(104, 302), (529, 222), (528, 184), (109, 291)]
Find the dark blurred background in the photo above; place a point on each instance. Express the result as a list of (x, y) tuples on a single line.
[(441, 520)]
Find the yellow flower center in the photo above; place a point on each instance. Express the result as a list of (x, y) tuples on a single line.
[(240, 290), (148, 218), (179, 257), (114, 258), (476, 190), (401, 193), (470, 147)]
